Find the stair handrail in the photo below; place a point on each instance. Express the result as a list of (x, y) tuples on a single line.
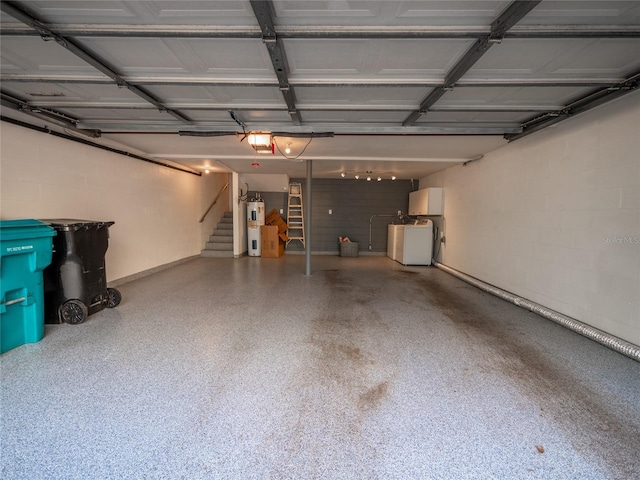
[(214, 202)]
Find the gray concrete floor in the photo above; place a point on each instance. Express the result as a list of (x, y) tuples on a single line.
[(246, 368)]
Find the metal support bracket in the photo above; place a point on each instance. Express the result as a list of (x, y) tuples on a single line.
[(45, 32), (515, 12), (263, 10)]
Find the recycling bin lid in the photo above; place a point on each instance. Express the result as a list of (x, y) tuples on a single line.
[(69, 224), (24, 228)]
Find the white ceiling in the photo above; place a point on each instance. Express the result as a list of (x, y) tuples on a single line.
[(405, 87)]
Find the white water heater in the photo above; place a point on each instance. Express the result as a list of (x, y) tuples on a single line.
[(255, 219)]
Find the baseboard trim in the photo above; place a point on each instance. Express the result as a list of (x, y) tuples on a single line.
[(151, 271)]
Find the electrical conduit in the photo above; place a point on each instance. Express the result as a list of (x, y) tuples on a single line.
[(606, 339)]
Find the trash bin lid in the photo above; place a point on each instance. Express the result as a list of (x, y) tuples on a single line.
[(24, 228), (68, 224)]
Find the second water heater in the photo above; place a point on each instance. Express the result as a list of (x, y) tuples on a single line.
[(255, 219)]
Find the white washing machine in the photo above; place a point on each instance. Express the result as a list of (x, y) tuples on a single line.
[(413, 244), (392, 234)]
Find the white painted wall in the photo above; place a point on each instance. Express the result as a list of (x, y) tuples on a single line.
[(265, 182), (239, 205), (555, 217), (156, 209)]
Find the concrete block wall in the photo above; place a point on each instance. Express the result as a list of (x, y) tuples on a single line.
[(156, 209), (352, 203), (555, 217)]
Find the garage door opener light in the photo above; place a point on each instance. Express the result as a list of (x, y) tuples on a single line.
[(261, 142)]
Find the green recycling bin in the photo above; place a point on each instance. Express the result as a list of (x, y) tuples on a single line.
[(25, 251)]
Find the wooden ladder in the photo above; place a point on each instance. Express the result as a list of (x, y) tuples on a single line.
[(295, 213)]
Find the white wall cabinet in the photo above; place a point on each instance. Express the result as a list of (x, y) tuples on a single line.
[(426, 201)]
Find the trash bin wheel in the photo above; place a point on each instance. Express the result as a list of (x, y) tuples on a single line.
[(73, 312), (114, 297)]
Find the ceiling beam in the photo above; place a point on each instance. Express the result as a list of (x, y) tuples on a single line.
[(375, 129), (263, 10), (330, 32), (140, 31), (73, 47), (60, 119), (583, 104), (71, 79), (382, 83), (515, 12), (301, 107), (573, 31), (103, 80)]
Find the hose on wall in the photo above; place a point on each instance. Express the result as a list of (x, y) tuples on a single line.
[(606, 339), (399, 215)]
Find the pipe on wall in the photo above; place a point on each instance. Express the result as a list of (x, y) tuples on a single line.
[(95, 145), (399, 215), (606, 339)]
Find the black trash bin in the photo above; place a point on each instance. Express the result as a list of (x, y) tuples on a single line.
[(75, 284)]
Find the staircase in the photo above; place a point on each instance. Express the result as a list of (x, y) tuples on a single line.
[(220, 244)]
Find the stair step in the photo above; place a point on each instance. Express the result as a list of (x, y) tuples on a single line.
[(216, 253), (218, 246), (220, 239)]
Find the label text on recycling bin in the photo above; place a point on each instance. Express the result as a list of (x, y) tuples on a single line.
[(21, 248)]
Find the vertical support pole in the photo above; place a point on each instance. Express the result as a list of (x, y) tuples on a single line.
[(239, 217), (307, 223)]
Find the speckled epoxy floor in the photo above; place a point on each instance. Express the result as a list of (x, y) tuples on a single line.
[(246, 368)]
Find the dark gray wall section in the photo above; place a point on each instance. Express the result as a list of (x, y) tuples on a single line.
[(353, 202)]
